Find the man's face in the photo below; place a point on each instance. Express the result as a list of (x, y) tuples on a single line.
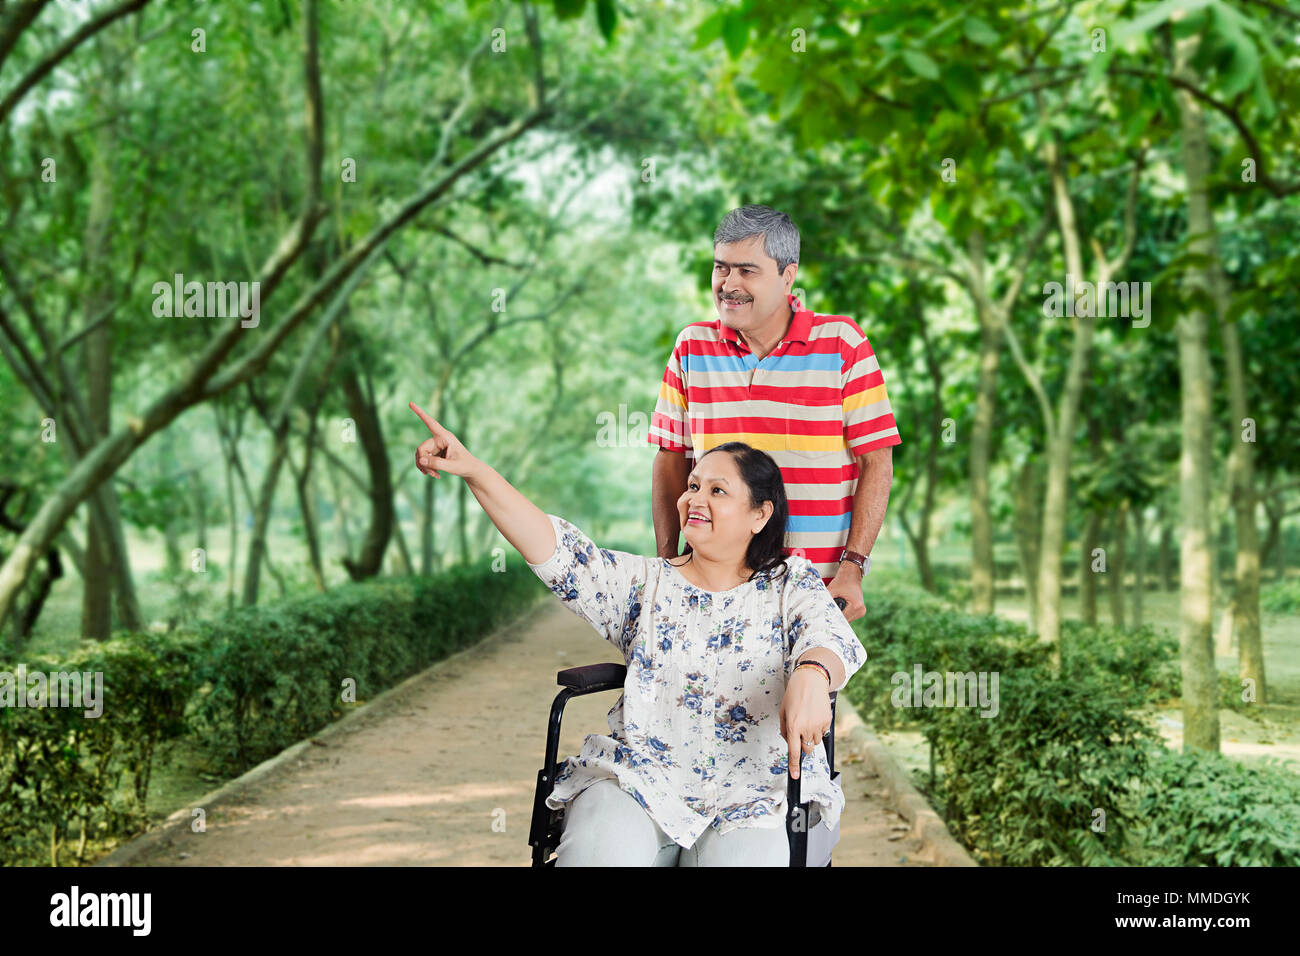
[(747, 290)]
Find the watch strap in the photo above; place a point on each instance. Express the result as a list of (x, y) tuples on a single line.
[(863, 561)]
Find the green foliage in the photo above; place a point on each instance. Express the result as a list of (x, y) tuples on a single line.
[(953, 579), (904, 626), (1231, 690), (189, 596), (606, 13), (152, 505), (1145, 660), (1281, 597), (276, 674), (245, 687), (1203, 809), (61, 772), (1022, 788)]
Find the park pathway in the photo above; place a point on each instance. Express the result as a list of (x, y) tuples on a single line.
[(419, 776)]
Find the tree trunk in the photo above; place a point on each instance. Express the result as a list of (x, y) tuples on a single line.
[(69, 544), (924, 566), (934, 370), (1028, 523), (305, 481), (1281, 550), (96, 608), (1056, 498), (981, 515), (1241, 473), (200, 499), (210, 375), (233, 507), (1164, 559), (1088, 577), (41, 586), (317, 497), (361, 407), (278, 420), (108, 560), (1139, 563), (262, 516), (304, 487), (1115, 567), (919, 540), (173, 561), (1200, 681), (1220, 531), (340, 510), (1273, 539), (27, 614), (1281, 556)]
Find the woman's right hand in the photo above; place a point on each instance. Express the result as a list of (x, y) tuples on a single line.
[(442, 452)]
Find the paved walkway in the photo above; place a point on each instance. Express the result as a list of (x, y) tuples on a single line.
[(420, 775)]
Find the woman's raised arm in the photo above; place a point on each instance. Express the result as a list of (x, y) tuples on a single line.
[(520, 521)]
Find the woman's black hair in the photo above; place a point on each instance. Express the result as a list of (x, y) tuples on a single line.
[(763, 477)]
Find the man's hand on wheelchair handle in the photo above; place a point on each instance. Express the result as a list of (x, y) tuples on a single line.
[(847, 585)]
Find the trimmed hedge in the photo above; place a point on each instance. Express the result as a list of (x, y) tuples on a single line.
[(276, 674), (905, 625), (66, 776), (1204, 809), (1025, 787), (244, 687), (1143, 660)]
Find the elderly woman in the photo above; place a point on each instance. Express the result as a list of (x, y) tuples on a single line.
[(731, 652)]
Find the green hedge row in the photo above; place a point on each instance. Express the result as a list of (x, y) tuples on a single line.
[(68, 780), (1065, 774), (243, 687), (274, 675)]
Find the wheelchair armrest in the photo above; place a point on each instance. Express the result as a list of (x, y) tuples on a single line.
[(591, 678)]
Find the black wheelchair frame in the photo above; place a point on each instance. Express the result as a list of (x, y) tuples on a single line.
[(548, 825)]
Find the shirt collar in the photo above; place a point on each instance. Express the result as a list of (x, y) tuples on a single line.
[(800, 324)]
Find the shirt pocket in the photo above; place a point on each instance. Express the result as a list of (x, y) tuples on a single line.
[(813, 430)]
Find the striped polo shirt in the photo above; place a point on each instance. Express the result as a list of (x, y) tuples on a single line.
[(813, 403)]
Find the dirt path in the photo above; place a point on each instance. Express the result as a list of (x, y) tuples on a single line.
[(419, 777)]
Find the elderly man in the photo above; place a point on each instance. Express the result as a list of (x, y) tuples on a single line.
[(803, 387)]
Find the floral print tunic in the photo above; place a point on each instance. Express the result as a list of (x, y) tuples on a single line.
[(696, 735)]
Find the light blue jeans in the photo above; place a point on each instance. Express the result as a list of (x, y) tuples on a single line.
[(606, 826)]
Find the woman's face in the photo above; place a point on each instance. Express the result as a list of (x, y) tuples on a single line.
[(715, 514)]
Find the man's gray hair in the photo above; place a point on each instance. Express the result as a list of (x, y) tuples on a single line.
[(780, 234)]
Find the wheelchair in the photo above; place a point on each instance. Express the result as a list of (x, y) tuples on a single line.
[(810, 844)]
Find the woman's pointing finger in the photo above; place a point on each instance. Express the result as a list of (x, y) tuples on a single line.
[(425, 417)]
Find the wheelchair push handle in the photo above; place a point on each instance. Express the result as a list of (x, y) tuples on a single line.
[(793, 782)]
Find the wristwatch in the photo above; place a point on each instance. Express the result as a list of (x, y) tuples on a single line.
[(863, 561)]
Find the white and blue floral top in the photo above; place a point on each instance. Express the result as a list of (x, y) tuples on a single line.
[(696, 735)]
